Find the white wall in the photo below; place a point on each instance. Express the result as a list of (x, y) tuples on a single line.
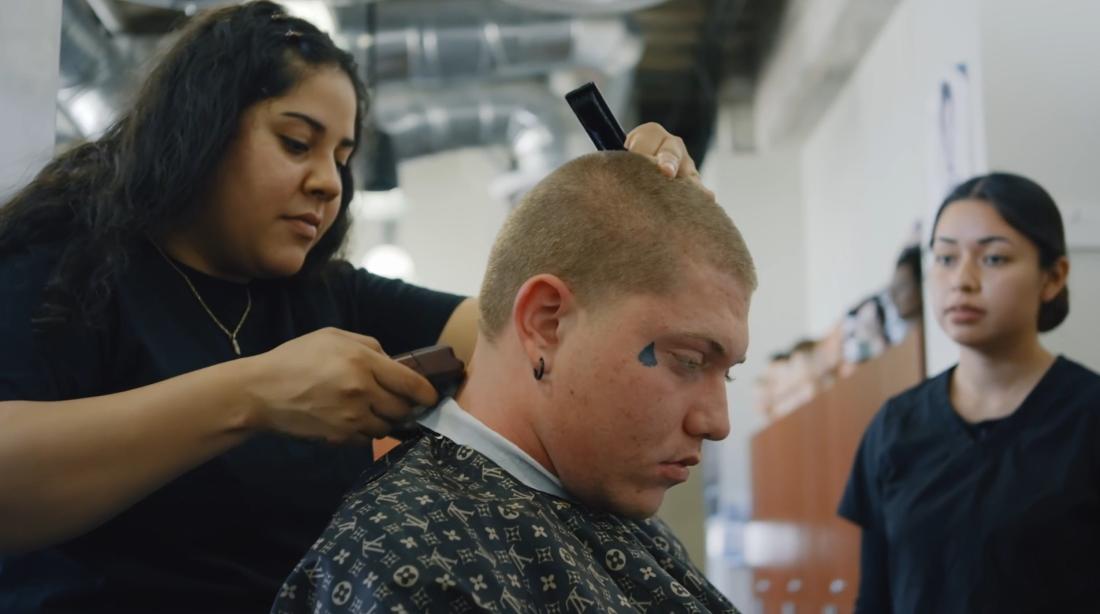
[(865, 167), (29, 56), (1042, 87), (821, 42), (452, 220), (762, 195)]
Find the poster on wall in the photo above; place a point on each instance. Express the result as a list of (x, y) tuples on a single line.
[(956, 153)]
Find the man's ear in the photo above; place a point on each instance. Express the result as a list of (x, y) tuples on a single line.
[(543, 304)]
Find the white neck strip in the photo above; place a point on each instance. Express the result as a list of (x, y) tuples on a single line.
[(451, 421)]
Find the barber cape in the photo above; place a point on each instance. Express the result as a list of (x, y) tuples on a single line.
[(461, 520)]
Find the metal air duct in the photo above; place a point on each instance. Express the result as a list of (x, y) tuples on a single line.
[(586, 7), (432, 41), (524, 119), (95, 79), (429, 60)]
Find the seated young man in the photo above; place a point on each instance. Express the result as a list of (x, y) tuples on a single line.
[(614, 303)]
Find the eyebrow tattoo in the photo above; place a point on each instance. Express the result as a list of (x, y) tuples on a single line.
[(317, 126), (648, 355)]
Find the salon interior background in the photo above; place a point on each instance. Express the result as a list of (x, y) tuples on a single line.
[(815, 122)]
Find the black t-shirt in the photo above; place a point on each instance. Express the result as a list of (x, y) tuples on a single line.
[(1002, 516), (222, 537)]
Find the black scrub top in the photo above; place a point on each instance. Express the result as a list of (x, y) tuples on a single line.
[(1000, 516), (222, 537)]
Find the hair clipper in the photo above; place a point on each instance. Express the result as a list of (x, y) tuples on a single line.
[(439, 365)]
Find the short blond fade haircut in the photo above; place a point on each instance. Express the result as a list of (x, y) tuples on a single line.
[(609, 224)]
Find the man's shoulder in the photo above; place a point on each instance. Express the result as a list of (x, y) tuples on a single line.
[(420, 530), (432, 488), (432, 474)]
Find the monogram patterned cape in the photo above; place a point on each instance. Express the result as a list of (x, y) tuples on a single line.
[(438, 527)]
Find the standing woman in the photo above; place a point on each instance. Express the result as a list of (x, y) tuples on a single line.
[(979, 490), (188, 379)]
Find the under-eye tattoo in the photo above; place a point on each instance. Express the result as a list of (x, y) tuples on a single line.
[(648, 356)]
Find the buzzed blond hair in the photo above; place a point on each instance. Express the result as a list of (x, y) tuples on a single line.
[(609, 224)]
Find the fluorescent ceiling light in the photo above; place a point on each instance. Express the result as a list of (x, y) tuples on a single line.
[(391, 261), (316, 12)]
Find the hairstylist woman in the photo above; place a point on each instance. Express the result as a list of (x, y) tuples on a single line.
[(188, 379), (979, 490)]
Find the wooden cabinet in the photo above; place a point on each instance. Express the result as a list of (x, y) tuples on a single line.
[(800, 465)]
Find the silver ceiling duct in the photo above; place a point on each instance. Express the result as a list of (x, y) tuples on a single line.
[(189, 5), (431, 41), (95, 80), (433, 65), (524, 119), (421, 122), (575, 7), (586, 7)]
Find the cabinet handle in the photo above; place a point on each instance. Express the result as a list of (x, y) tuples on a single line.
[(837, 586), (762, 586), (794, 585)]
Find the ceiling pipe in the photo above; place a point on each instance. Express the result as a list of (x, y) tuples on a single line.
[(95, 80)]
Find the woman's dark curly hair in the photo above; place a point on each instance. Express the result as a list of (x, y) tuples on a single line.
[(148, 171)]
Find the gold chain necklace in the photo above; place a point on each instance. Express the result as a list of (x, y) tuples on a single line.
[(248, 306)]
